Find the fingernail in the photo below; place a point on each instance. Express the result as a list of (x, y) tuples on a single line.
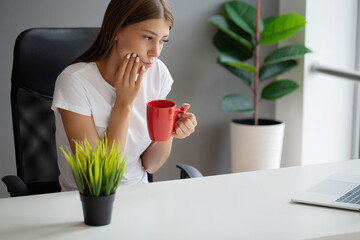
[(134, 55), (137, 59), (128, 56), (143, 68)]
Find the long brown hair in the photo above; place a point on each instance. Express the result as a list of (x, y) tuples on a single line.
[(121, 13)]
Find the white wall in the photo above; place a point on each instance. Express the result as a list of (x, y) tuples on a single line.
[(190, 57), (320, 128), (329, 100)]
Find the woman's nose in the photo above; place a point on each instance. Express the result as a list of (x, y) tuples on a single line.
[(155, 50)]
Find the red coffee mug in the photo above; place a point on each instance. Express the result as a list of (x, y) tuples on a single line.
[(161, 116)]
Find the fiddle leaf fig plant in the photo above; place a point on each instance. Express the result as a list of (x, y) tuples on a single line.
[(99, 171), (240, 33)]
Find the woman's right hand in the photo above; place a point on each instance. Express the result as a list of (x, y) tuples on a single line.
[(128, 83)]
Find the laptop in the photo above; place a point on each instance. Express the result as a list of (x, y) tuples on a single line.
[(338, 190)]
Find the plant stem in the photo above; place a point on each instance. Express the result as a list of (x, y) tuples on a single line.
[(257, 67)]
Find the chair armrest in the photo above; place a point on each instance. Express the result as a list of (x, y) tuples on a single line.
[(16, 187), (188, 171)]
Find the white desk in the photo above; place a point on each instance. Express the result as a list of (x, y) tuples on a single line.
[(253, 205)]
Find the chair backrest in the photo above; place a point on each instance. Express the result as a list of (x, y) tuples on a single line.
[(40, 55)]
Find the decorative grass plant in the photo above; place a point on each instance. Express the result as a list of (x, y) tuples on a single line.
[(97, 172)]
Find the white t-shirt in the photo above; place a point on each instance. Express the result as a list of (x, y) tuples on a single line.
[(80, 88)]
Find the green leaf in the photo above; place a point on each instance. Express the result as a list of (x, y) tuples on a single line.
[(225, 43), (230, 28), (282, 28), (97, 169), (268, 20), (243, 15), (242, 74), (91, 179), (224, 58), (236, 103), (272, 70), (71, 162), (291, 52), (278, 89)]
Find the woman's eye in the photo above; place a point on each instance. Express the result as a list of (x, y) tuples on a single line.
[(165, 40), (147, 37)]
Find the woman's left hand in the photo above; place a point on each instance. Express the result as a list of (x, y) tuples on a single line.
[(186, 123)]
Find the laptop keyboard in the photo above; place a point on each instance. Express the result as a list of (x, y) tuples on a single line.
[(353, 196)]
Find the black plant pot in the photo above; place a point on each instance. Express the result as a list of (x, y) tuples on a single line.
[(262, 122), (97, 210)]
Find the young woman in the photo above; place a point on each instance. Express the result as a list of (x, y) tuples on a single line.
[(106, 89)]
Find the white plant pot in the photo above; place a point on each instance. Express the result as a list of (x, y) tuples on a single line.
[(256, 147)]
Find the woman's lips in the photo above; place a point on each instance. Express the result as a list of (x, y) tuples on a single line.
[(148, 65)]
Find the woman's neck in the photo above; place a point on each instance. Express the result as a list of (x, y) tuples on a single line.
[(108, 68)]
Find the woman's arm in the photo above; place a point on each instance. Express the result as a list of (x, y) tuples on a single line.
[(156, 155), (78, 127)]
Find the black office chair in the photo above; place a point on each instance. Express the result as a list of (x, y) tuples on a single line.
[(40, 55)]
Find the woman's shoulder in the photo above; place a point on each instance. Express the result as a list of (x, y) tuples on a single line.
[(161, 78), (159, 64), (77, 71), (77, 68), (74, 75), (159, 68)]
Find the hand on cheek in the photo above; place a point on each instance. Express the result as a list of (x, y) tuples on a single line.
[(129, 79)]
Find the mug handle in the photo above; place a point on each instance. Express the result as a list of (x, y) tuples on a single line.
[(178, 110)]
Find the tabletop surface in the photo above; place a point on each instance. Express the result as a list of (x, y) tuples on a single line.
[(250, 205)]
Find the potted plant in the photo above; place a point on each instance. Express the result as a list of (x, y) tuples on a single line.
[(241, 32), (97, 174)]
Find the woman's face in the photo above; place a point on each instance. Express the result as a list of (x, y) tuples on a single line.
[(146, 39)]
